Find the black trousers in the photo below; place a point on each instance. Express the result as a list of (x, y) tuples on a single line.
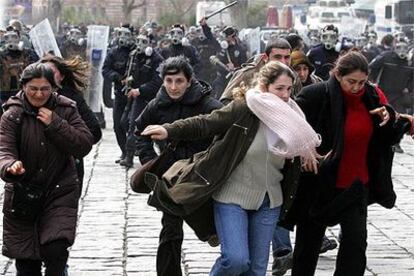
[(54, 255), (351, 258), (118, 109), (169, 248)]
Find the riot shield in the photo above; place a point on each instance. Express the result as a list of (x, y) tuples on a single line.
[(43, 39), (97, 44)]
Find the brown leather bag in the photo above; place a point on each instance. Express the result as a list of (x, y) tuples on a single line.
[(155, 166)]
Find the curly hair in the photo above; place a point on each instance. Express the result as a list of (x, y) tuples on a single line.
[(74, 70)]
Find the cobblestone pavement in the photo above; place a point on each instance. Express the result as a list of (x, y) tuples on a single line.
[(118, 233)]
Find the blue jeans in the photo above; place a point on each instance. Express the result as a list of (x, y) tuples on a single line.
[(245, 237), (281, 244)]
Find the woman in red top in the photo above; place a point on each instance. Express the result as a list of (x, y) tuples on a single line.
[(358, 129)]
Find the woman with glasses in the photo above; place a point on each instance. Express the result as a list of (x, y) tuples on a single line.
[(41, 134)]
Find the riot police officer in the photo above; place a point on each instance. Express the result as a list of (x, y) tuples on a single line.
[(62, 35), (114, 70), (74, 45), (177, 48), (394, 74), (207, 45), (324, 55), (145, 82), (371, 49), (232, 54), (13, 59)]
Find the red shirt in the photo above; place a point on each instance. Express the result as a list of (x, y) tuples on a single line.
[(358, 130)]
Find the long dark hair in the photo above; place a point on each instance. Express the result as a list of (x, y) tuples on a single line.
[(75, 71), (351, 62)]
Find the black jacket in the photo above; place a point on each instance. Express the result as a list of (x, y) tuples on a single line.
[(146, 76), (237, 54), (324, 108), (84, 111), (392, 74), (323, 60), (115, 66), (163, 109), (88, 117)]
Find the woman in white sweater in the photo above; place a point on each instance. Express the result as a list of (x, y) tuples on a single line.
[(269, 127)]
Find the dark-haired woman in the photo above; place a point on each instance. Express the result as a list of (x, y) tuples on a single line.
[(358, 129), (71, 80), (40, 134)]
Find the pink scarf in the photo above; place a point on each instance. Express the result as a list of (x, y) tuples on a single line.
[(295, 136)]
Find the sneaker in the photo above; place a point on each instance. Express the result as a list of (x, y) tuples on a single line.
[(327, 244), (282, 264), (397, 148)]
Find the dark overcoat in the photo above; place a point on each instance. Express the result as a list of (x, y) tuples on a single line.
[(197, 178), (47, 154), (324, 107)]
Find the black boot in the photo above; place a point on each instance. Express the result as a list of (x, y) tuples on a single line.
[(117, 161), (128, 161), (327, 244)]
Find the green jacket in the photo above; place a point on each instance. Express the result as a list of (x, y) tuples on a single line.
[(191, 182)]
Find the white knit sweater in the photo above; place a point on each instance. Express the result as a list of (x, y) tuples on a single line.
[(257, 174)]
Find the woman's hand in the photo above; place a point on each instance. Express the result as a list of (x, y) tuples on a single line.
[(383, 113), (156, 132), (310, 165), (45, 115), (16, 169)]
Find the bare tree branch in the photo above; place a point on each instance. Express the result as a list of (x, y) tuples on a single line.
[(128, 6)]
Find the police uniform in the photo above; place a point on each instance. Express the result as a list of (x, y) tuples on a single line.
[(235, 54), (323, 60), (114, 70), (395, 77)]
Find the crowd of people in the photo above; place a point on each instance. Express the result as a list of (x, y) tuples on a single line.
[(296, 136)]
